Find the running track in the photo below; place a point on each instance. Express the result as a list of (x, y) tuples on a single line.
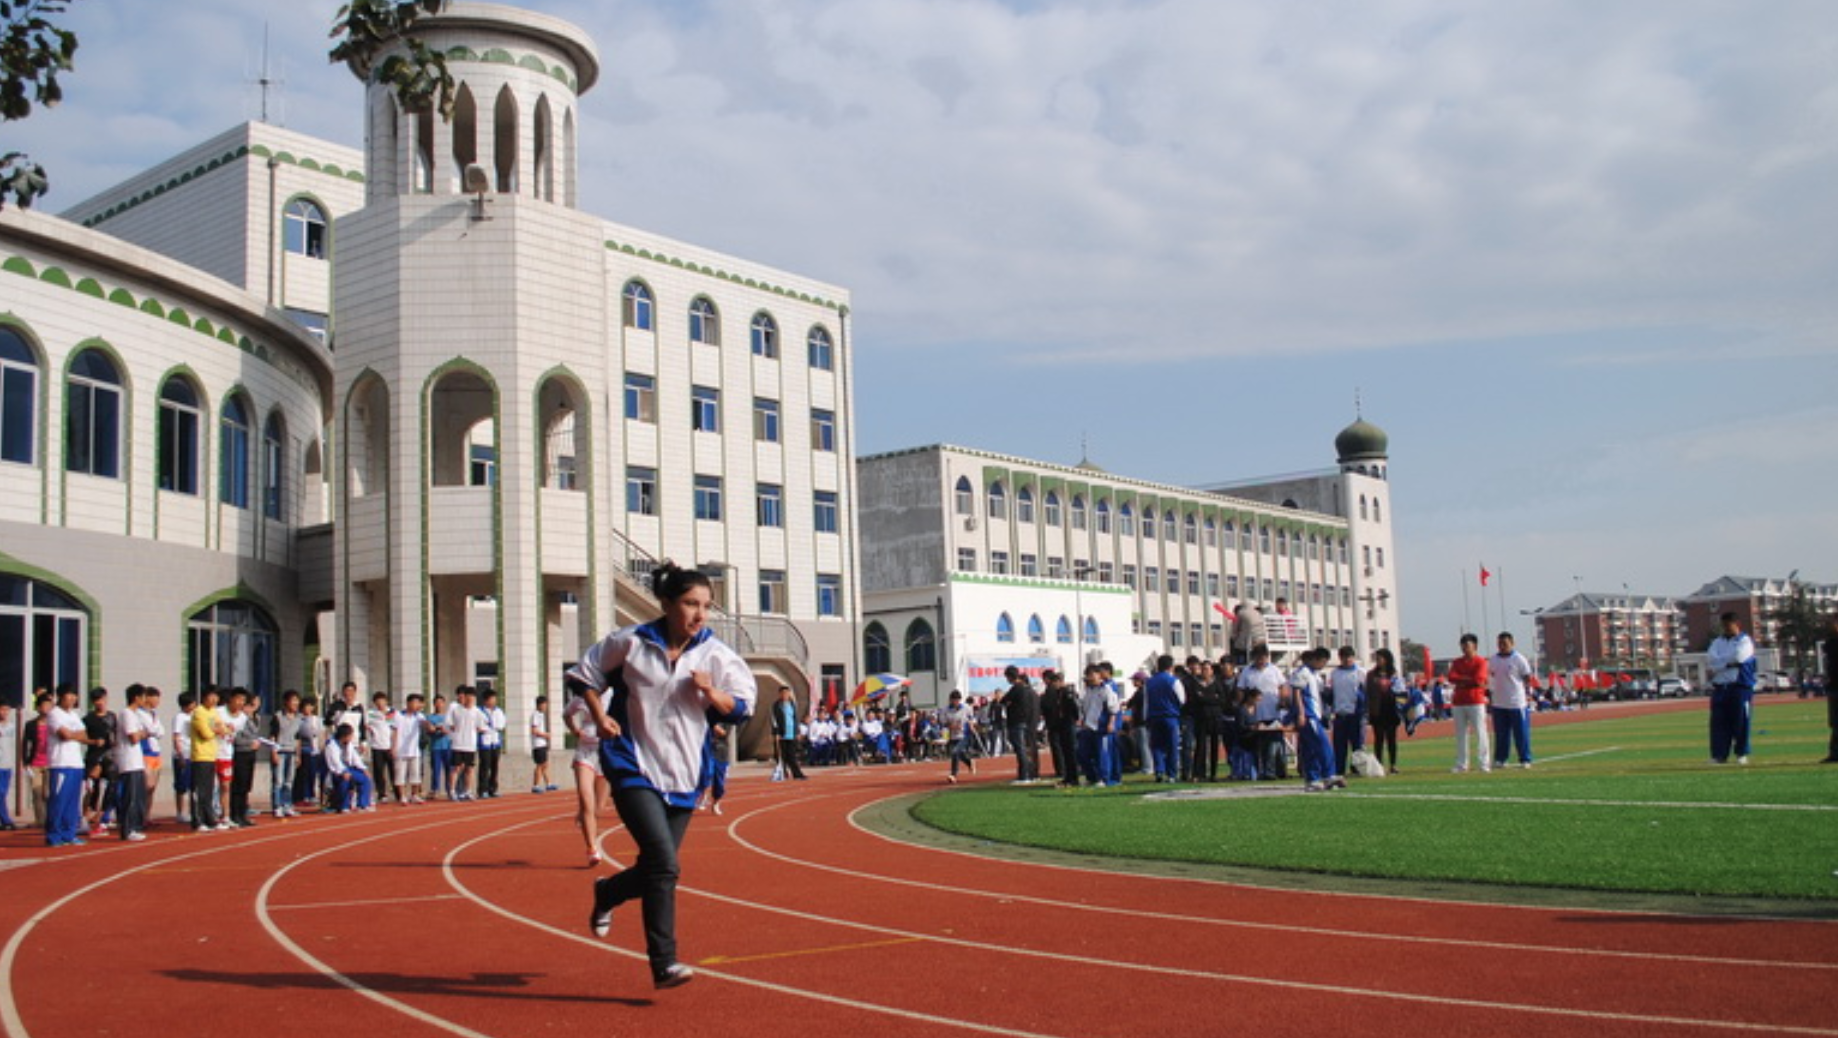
[(469, 920)]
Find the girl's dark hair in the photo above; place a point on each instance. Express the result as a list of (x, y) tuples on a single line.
[(1387, 663), (669, 581)]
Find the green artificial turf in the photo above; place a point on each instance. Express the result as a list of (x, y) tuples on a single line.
[(1637, 808)]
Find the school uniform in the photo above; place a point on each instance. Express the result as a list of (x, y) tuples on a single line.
[(491, 749), (1347, 691), (1732, 694), (65, 800), (131, 771), (1313, 746), (1507, 673)]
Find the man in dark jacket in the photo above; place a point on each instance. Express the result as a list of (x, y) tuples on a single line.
[(1830, 649), (1059, 705), (1021, 709)]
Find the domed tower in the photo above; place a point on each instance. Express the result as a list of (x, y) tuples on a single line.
[(472, 301), (1365, 492)]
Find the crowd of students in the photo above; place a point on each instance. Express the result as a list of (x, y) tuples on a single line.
[(96, 770)]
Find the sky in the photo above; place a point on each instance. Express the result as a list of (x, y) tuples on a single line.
[(1579, 260)]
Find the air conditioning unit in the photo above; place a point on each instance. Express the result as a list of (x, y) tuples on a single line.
[(970, 523)]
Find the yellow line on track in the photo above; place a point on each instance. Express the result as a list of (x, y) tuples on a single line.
[(717, 960)]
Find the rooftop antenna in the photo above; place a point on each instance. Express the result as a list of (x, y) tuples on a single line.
[(266, 80), (1356, 408)]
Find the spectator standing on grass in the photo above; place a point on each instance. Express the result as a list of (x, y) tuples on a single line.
[(1830, 650), (1347, 690), (1097, 713), (1165, 697), (1314, 747), (1262, 683), (1059, 705), (1382, 708), (1468, 674), (1732, 692), (1020, 707), (1507, 673)]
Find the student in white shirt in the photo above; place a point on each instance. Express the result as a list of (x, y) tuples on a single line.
[(131, 765), (539, 747), (408, 727), (491, 745), (181, 758), (592, 794), (1732, 691), (152, 748), (1507, 673), (463, 722), (344, 761), (1347, 692), (68, 737)]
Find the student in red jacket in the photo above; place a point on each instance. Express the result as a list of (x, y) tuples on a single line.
[(1469, 676)]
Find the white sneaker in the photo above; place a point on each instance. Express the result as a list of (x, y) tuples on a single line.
[(225, 827), (1743, 759), (1525, 764), (674, 975), (135, 837)]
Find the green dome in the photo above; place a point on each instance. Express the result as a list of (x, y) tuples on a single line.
[(1361, 441)]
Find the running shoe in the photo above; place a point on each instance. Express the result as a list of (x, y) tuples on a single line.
[(135, 837), (600, 921), (674, 975)]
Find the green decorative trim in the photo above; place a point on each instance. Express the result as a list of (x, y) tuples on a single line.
[(1029, 582), (222, 161), (126, 424), (205, 428), (15, 566), (722, 275), (461, 54), (241, 592), (152, 307)]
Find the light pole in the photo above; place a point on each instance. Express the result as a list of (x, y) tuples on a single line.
[(1079, 574)]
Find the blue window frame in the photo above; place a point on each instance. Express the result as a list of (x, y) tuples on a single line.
[(274, 469), (640, 491), (640, 397), (705, 408), (1005, 629), (704, 322), (1036, 631), (765, 420), (708, 498), (304, 229), (826, 517), (92, 416), (823, 430), (765, 336), (822, 348), (233, 454), (18, 398), (771, 499), (638, 306), (1064, 631), (829, 594), (179, 439)]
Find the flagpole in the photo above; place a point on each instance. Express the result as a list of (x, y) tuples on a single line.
[(1500, 577), (1467, 618)]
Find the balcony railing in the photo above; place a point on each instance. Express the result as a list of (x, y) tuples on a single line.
[(748, 635)]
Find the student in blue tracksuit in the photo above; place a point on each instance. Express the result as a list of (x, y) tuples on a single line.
[(1347, 690), (1097, 710), (670, 679), (1163, 714), (64, 810), (1313, 744), (1732, 691)]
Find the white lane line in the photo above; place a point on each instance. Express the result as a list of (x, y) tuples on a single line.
[(368, 904), (1583, 753), (1670, 805), (1240, 884), (734, 978), (10, 1021)]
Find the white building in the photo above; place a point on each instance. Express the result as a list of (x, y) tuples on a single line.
[(973, 560), (524, 406)]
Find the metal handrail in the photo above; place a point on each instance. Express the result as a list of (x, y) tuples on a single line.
[(749, 635)]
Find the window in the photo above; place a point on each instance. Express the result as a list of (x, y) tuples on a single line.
[(772, 592), (1053, 514), (823, 430), (640, 397), (765, 336), (1151, 579), (705, 408), (1245, 537), (704, 322), (1078, 511), (966, 560), (1282, 543), (1341, 546), (1269, 589), (1030, 564), (964, 496), (274, 464), (1062, 632), (1081, 568), (1263, 539), (1366, 556), (1381, 558), (233, 454), (765, 420), (482, 466), (1212, 585), (998, 501), (1362, 506), (877, 650), (1314, 593), (708, 498), (1005, 629), (1346, 597), (1129, 576), (1091, 629), (1193, 582), (1375, 511), (18, 398), (829, 594), (1126, 520), (43, 637), (1056, 567), (637, 306), (235, 644), (1212, 532), (1103, 515), (640, 491), (1196, 635), (1106, 573), (1154, 628), (826, 516), (1036, 631), (1168, 527), (178, 462), (771, 505), (1190, 529), (92, 415), (303, 229), (1174, 635), (998, 563), (1282, 589), (1024, 504), (822, 349), (921, 648)]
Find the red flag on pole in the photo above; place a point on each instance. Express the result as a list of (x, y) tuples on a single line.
[(1485, 575), (1429, 665)]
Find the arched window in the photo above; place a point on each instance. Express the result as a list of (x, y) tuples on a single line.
[(1005, 629), (18, 398), (921, 648), (274, 465), (1282, 542), (1103, 515), (1191, 529), (1212, 532), (179, 439), (1052, 505), (233, 453), (422, 181), (1091, 630), (92, 416), (234, 645), (765, 336), (1078, 511), (1263, 540), (877, 651), (543, 151), (1362, 506), (1036, 631), (1024, 504), (1168, 527), (1064, 631), (1126, 520), (504, 140), (465, 125), (463, 449), (638, 306), (1376, 517), (704, 322), (964, 496), (303, 231), (998, 501), (822, 348), (44, 638)]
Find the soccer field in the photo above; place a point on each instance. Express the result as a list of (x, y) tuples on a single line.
[(1622, 803)]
